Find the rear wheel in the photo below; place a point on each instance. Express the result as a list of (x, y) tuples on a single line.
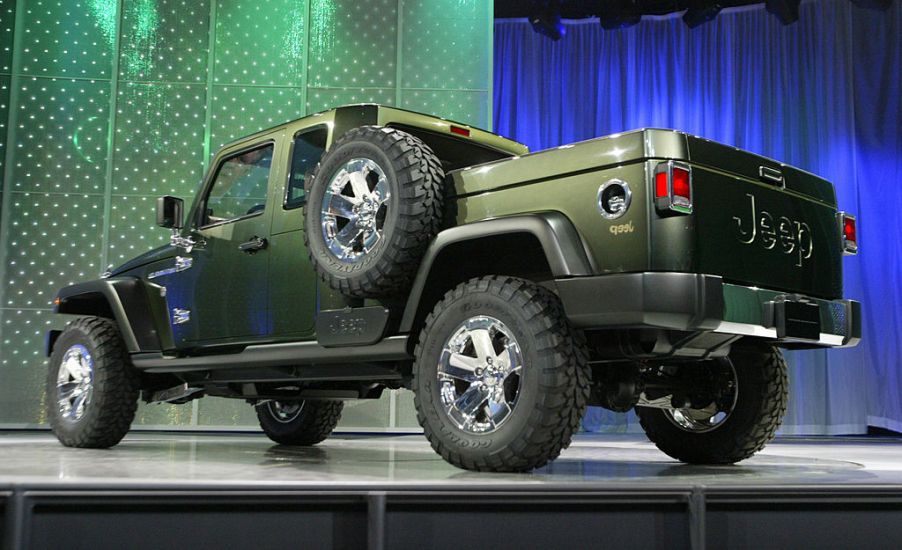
[(92, 387), (299, 422), (501, 378), (736, 421)]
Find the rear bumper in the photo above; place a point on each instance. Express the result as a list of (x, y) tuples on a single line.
[(698, 302)]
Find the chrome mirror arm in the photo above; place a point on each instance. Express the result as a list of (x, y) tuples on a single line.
[(178, 241)]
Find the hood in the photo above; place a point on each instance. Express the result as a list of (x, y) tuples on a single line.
[(161, 253)]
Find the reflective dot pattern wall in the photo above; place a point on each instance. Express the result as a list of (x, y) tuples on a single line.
[(107, 104)]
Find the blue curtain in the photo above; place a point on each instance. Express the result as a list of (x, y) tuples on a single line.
[(824, 94)]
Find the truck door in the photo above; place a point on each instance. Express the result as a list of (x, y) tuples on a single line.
[(231, 263), (293, 288)]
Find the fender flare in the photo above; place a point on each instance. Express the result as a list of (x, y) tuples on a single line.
[(563, 248), (138, 307)]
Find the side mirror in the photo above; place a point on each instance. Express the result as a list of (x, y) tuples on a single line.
[(170, 212)]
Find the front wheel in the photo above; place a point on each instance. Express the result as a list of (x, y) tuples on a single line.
[(299, 422), (92, 387), (501, 378), (735, 424)]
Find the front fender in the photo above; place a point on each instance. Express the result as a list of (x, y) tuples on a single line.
[(137, 306), (563, 248)]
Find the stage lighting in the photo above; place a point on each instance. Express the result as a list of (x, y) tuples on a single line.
[(619, 14), (700, 12), (546, 20), (787, 11), (873, 4)]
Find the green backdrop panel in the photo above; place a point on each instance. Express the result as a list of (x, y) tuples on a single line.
[(159, 139), (56, 243), (7, 22), (22, 391), (261, 43), (470, 107), (217, 411), (407, 416), (162, 415), (164, 41), (353, 44), (72, 38), (133, 227), (445, 45), (60, 136), (22, 364), (4, 116), (367, 414), (98, 134), (242, 110)]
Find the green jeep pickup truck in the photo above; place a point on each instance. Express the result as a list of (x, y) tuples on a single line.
[(368, 247)]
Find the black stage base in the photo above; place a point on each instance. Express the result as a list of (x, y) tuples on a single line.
[(376, 491)]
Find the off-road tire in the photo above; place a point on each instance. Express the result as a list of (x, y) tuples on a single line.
[(554, 385), (111, 409), (415, 178), (760, 405), (313, 424)]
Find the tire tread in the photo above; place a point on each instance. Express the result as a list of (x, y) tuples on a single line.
[(419, 217), (315, 423), (772, 383), (560, 405), (116, 387)]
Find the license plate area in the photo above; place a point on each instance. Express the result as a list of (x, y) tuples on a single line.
[(796, 319)]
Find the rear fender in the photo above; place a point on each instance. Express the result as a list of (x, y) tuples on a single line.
[(561, 245)]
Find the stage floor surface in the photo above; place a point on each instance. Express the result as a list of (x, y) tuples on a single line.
[(392, 491), (174, 459)]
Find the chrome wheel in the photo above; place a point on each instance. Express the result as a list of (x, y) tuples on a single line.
[(712, 416), (479, 374), (285, 412), (75, 383), (354, 208)]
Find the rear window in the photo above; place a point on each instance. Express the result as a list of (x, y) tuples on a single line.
[(308, 148)]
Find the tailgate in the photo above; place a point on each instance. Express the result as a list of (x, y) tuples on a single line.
[(760, 231)]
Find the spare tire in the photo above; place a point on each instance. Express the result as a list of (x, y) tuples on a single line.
[(373, 204)]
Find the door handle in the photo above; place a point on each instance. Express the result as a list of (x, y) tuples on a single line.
[(253, 245)]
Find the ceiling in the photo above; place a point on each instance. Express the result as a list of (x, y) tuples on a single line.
[(577, 9)]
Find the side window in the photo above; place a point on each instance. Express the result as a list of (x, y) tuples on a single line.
[(240, 186), (308, 148)]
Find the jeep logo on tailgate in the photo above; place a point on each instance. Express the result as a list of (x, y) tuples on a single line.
[(775, 232)]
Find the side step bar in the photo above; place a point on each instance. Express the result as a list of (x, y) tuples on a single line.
[(393, 348), (176, 395)]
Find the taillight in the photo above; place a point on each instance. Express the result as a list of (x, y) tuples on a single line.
[(460, 131), (682, 193), (661, 185), (673, 187), (848, 233)]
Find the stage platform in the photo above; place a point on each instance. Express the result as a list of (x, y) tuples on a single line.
[(171, 490)]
